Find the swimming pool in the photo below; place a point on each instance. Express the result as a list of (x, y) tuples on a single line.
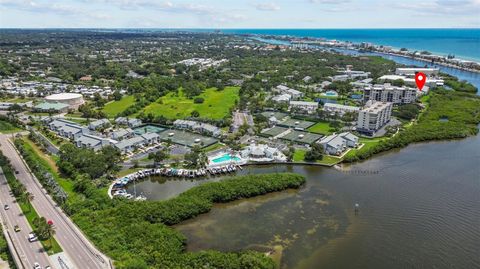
[(226, 158)]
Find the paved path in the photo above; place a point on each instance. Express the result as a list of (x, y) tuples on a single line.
[(29, 252), (80, 251)]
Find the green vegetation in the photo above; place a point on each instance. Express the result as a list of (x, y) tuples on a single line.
[(114, 108), (121, 228), (24, 201), (321, 128), (461, 109), (213, 147), (299, 156), (7, 127), (5, 254), (460, 86), (216, 105), (43, 170), (407, 112)]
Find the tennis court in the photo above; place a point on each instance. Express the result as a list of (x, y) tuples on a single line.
[(294, 123), (301, 137), (274, 131), (185, 138)]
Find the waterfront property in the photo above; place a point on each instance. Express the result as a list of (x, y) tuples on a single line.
[(388, 93), (373, 116), (262, 153), (336, 144)]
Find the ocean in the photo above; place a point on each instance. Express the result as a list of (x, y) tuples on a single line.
[(463, 43)]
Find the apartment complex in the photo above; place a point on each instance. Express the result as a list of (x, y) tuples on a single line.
[(374, 116), (389, 93), (340, 109)]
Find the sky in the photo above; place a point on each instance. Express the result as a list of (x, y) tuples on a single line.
[(240, 14)]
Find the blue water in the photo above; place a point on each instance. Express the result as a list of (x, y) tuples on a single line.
[(225, 158), (463, 43)]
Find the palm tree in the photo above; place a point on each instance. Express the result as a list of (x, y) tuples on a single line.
[(50, 230), (28, 197)]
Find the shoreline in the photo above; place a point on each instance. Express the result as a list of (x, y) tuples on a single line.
[(345, 45)]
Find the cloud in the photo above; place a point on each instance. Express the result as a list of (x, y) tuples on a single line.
[(443, 7), (51, 8), (267, 6), (329, 2)]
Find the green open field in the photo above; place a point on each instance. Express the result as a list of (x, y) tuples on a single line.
[(49, 163), (217, 104), (368, 143), (321, 128), (115, 107), (7, 128)]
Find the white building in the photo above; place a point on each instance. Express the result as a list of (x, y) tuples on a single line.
[(200, 127), (374, 116), (102, 123), (262, 153), (294, 94), (340, 109), (282, 98), (413, 71), (307, 107), (336, 144), (91, 142), (430, 82), (389, 93)]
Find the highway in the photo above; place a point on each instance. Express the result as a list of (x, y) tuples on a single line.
[(29, 252), (76, 246)]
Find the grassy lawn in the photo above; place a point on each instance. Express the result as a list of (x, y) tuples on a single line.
[(49, 163), (7, 128), (214, 147), (51, 246), (368, 143), (77, 120), (16, 100), (217, 104), (299, 156), (115, 107), (321, 128), (128, 171)]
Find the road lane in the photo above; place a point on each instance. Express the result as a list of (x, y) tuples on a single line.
[(80, 251), (29, 252)]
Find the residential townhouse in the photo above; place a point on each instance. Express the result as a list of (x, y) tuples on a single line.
[(306, 107)]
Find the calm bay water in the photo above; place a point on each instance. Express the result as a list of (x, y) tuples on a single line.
[(419, 208)]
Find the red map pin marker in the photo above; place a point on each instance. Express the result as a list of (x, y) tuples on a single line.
[(420, 79)]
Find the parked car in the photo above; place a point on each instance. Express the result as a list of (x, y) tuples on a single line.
[(48, 267), (36, 266), (32, 237), (6, 207), (16, 228)]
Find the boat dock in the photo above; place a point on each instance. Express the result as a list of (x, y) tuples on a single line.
[(118, 187)]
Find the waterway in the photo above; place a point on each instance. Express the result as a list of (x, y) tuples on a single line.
[(419, 208)]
